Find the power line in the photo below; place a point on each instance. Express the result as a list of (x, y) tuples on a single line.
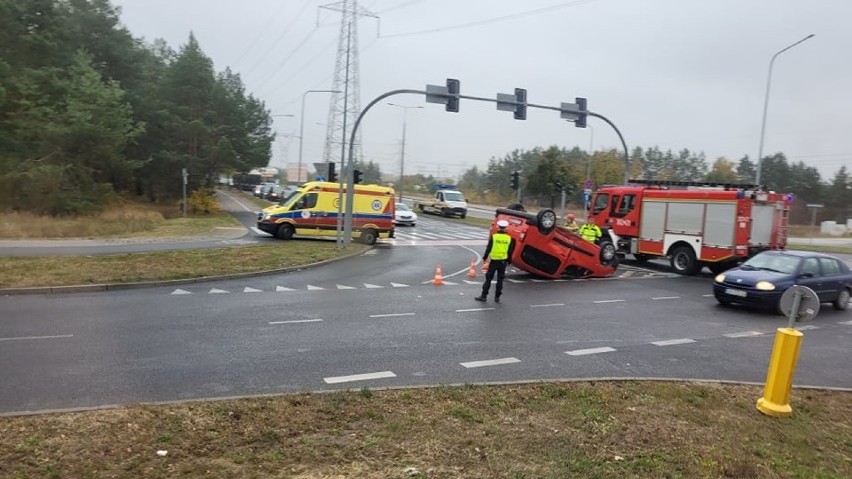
[(260, 33), (284, 32), (286, 59)]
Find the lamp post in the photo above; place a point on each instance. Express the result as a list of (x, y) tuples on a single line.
[(402, 156), (283, 156), (766, 105), (302, 129)]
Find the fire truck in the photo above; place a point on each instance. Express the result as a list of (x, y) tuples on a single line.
[(693, 224)]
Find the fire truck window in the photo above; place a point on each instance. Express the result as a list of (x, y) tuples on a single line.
[(627, 204), (613, 205), (601, 202)]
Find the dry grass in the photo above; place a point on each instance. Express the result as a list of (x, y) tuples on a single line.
[(597, 430), (23, 272)]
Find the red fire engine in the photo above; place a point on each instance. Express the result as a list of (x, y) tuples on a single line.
[(694, 224)]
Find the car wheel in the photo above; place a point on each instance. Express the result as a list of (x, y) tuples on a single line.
[(369, 236), (683, 261), (842, 301), (285, 231), (546, 221), (607, 255)]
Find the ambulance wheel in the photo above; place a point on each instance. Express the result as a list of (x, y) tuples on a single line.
[(607, 256), (546, 221), (369, 236), (285, 232), (684, 261)]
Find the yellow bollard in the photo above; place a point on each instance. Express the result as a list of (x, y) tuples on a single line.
[(779, 379)]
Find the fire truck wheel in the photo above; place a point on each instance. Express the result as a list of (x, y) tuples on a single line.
[(842, 301), (546, 220), (608, 256), (684, 262), (285, 232)]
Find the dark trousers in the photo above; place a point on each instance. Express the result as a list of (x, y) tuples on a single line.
[(499, 267)]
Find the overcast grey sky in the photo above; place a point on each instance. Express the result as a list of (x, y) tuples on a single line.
[(669, 73)]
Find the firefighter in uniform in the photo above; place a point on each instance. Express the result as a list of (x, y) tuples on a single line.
[(571, 223), (590, 231), (499, 253)]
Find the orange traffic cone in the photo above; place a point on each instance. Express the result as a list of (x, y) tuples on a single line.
[(485, 266), (438, 281), (471, 273)]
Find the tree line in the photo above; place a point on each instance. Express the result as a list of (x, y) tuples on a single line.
[(89, 113)]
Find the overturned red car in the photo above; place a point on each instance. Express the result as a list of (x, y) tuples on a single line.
[(546, 249)]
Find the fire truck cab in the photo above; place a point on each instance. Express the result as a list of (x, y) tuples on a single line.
[(693, 224)]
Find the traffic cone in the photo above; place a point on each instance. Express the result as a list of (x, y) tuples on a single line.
[(471, 273), (438, 281), (485, 266)]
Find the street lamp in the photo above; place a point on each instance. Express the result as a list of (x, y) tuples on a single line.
[(766, 106), (283, 156), (302, 129), (402, 156)]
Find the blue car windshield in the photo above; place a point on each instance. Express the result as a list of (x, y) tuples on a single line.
[(774, 262)]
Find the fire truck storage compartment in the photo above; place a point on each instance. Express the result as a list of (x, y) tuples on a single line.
[(719, 224), (653, 220), (685, 218), (712, 220), (762, 217)]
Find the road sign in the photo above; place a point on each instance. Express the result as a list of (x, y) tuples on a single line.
[(799, 303), (588, 184)]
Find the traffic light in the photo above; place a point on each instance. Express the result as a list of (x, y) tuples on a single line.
[(557, 185), (521, 105), (357, 176), (515, 182), (581, 117), (332, 176), (453, 87)]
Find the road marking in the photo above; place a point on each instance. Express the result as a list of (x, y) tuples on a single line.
[(660, 298), (744, 334), (359, 377), (808, 327), (340, 286), (609, 301), (582, 352), (294, 321), (627, 274), (515, 280), (473, 309), (252, 290), (471, 282), (390, 315), (28, 338), (259, 232), (282, 288), (372, 286), (490, 362), (707, 295), (399, 285), (315, 288), (217, 291), (181, 291), (546, 305), (672, 342), (845, 322)]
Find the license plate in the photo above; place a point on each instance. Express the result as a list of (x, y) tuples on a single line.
[(736, 292)]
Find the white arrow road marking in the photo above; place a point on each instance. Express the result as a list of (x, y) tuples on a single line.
[(180, 291), (295, 321), (372, 286), (340, 286), (315, 288), (282, 288), (490, 362), (359, 377), (27, 338), (217, 291), (583, 352), (672, 342), (744, 334), (251, 290)]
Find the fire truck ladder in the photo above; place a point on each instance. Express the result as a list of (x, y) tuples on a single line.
[(695, 184), (781, 238)]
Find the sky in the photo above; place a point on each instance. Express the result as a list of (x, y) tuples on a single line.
[(668, 73)]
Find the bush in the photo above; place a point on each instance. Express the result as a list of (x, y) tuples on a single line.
[(202, 201)]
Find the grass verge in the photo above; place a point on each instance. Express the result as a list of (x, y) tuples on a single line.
[(594, 430), (24, 272)]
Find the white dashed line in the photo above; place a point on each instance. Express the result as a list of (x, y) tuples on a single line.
[(583, 352), (372, 286), (515, 280), (490, 362), (29, 338), (340, 286), (546, 305), (609, 301), (399, 285), (845, 322), (218, 291), (661, 298), (390, 315), (180, 291), (808, 327), (359, 377), (707, 295), (744, 334), (295, 321), (473, 309), (251, 290), (672, 342), (282, 288), (315, 288)]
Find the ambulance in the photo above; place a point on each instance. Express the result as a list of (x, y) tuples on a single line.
[(312, 210)]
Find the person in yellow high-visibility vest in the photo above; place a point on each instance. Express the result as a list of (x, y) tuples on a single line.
[(499, 253), (571, 223), (590, 231)]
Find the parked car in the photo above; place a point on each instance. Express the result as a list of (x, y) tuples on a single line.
[(762, 279), (404, 215), (276, 194), (262, 189)]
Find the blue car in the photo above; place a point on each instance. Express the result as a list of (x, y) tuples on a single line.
[(762, 279)]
